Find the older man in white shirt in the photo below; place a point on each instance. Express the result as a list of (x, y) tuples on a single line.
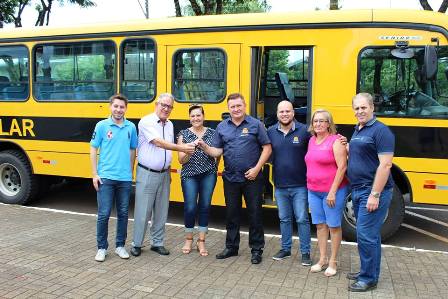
[(155, 146)]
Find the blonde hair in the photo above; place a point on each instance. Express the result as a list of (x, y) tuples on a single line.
[(329, 118)]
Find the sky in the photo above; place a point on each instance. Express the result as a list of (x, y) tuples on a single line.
[(119, 10)]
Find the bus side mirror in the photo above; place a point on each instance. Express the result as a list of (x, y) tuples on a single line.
[(430, 63)]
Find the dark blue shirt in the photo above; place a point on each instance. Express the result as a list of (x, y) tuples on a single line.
[(373, 139), (288, 155), (241, 146)]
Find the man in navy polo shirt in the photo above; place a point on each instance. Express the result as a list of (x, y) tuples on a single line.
[(369, 163), (112, 176), (246, 147), (289, 140)]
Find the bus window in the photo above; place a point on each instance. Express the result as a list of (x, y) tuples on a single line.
[(74, 71), (398, 83), (138, 83), (291, 65), (199, 75), (13, 73)]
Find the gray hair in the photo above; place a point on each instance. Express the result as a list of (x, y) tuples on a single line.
[(364, 95), (165, 95)]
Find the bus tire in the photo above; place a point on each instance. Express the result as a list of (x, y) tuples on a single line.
[(392, 223), (18, 185)]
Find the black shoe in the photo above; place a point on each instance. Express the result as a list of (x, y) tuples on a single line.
[(306, 259), (160, 250), (360, 286), (136, 251), (353, 275), (281, 255), (256, 257), (227, 252)]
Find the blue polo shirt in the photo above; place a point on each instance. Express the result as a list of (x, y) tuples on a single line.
[(241, 145), (114, 142), (288, 155), (373, 139)]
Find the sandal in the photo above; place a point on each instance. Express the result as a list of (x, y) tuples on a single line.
[(203, 252), (318, 268), (331, 271), (188, 245)]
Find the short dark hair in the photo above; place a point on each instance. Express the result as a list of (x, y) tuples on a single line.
[(234, 96), (193, 107), (118, 97)]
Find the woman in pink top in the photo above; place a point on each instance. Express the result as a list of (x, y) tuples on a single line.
[(326, 162)]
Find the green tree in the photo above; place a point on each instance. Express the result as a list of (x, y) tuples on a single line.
[(44, 9), (11, 11), (216, 7)]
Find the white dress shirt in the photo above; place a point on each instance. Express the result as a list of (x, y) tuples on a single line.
[(151, 127)]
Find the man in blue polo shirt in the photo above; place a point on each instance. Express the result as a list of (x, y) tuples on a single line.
[(245, 145), (289, 140), (116, 137), (371, 150)]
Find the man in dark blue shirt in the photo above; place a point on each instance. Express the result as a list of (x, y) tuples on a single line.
[(289, 140), (371, 150), (246, 147)]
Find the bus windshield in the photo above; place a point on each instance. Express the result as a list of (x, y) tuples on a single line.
[(397, 80)]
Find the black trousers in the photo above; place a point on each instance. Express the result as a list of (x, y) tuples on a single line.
[(252, 192)]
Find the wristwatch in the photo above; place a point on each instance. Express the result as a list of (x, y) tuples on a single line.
[(375, 194)]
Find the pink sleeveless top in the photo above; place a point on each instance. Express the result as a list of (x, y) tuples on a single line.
[(321, 166)]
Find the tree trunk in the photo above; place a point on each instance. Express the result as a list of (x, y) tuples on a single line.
[(334, 4), (209, 6), (177, 7), (443, 6), (425, 5), (196, 8), (219, 7)]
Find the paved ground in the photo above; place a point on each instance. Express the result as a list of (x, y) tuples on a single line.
[(47, 254)]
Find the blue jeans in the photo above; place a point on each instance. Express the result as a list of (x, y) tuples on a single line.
[(198, 191), (368, 231), (293, 201), (108, 192)]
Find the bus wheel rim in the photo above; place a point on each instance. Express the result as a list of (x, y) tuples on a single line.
[(349, 213), (10, 181)]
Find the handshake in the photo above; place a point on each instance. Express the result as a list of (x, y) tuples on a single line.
[(189, 148)]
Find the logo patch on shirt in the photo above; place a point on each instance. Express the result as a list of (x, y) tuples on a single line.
[(295, 140), (244, 132), (109, 135), (93, 135)]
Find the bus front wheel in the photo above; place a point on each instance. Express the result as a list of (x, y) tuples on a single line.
[(18, 184), (392, 222)]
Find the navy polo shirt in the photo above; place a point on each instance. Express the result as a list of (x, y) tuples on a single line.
[(241, 146), (373, 139), (288, 155)]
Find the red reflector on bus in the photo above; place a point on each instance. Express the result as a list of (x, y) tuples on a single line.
[(429, 186), (46, 161)]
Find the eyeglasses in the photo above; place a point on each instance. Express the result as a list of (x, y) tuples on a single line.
[(166, 106), (320, 121)]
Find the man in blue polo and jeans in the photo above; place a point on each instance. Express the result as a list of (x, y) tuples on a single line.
[(289, 140), (116, 138), (371, 150)]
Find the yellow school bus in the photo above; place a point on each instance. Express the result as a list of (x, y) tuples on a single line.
[(55, 82)]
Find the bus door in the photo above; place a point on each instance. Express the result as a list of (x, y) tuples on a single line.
[(280, 73), (204, 75)]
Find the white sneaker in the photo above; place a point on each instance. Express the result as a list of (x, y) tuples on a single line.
[(100, 255), (121, 251)]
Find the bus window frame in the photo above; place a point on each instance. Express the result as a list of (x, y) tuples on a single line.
[(264, 62), (64, 43), (122, 68), (28, 94), (358, 79), (173, 72)]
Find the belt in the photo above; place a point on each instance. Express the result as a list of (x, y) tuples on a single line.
[(152, 170)]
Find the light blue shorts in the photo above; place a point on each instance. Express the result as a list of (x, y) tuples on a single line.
[(321, 212)]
